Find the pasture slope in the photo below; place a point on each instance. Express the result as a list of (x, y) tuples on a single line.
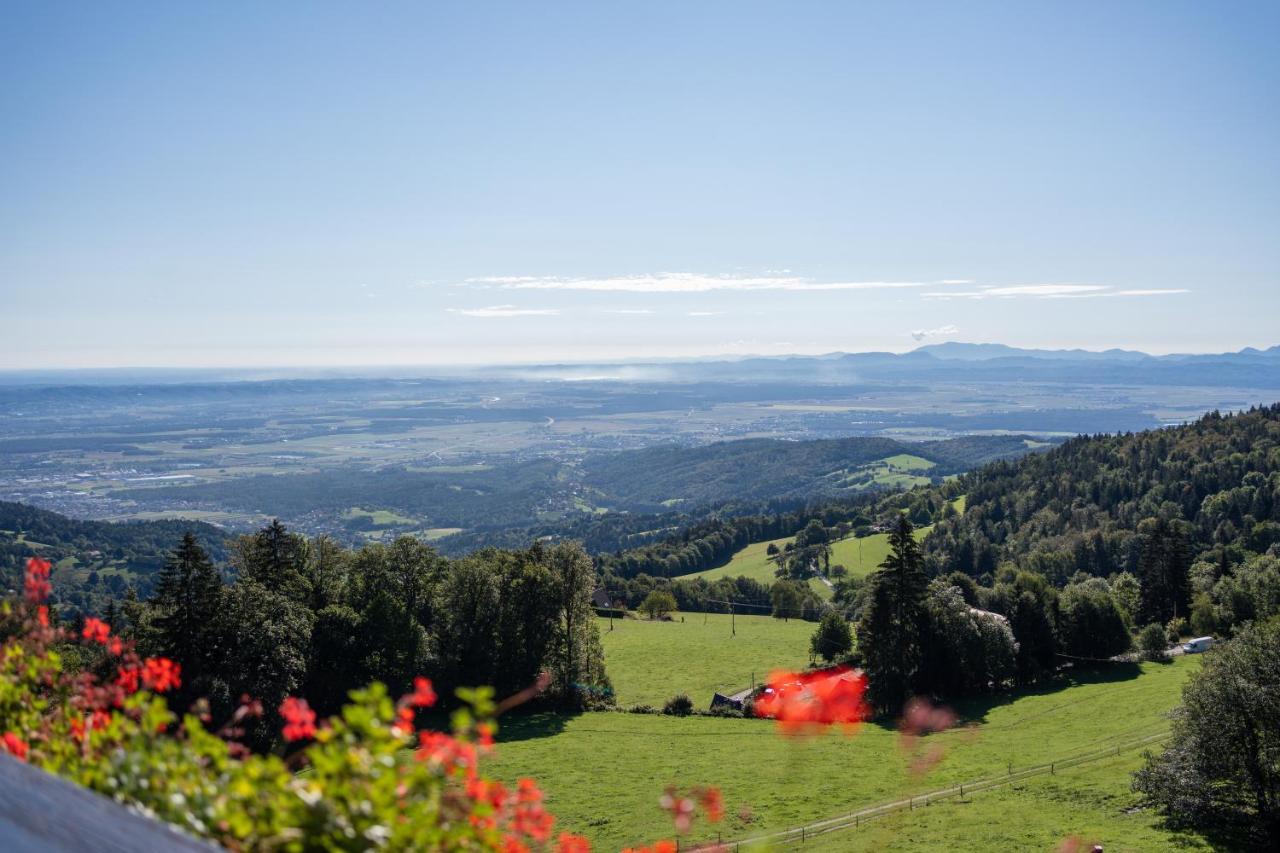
[(861, 556), (603, 772), (649, 662)]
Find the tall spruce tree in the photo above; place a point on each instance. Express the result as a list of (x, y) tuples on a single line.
[(187, 598), (1163, 566), (277, 559), (893, 621)]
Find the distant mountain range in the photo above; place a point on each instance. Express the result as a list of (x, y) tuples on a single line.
[(955, 350), (1248, 367), (948, 362)]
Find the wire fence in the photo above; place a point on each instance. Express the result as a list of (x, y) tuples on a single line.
[(853, 820)]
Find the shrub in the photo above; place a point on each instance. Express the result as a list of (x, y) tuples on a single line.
[(678, 706), (1176, 629), (658, 603), (1152, 643), (833, 639)]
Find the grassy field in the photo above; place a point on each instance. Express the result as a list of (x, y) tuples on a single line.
[(380, 517), (1091, 802), (649, 662), (859, 556), (603, 772)]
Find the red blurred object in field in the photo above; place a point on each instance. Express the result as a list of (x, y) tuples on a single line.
[(813, 700), (921, 717)]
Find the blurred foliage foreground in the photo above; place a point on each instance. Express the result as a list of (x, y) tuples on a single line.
[(90, 709)]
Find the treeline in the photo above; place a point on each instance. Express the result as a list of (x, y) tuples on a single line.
[(310, 617)]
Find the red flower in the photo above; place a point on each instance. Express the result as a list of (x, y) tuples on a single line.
[(42, 616), (15, 746), (404, 721), (424, 695), (485, 732), (161, 674), (659, 847), (447, 752), (128, 679), (511, 844), (36, 583), (530, 818), (96, 630), (573, 844), (713, 803), (116, 646), (804, 701), (300, 720)]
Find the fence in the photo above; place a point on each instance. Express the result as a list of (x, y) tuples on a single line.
[(852, 820)]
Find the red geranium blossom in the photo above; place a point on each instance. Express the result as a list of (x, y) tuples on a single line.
[(96, 630), (15, 746), (658, 847), (36, 582), (128, 679), (161, 674), (803, 701), (300, 720), (424, 695), (570, 843)]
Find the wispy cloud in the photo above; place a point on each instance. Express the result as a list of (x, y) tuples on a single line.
[(687, 282), (1047, 291), (941, 331), (705, 313), (628, 310), (504, 311)]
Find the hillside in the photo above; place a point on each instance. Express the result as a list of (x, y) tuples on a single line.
[(769, 468), (1078, 507), (95, 560)]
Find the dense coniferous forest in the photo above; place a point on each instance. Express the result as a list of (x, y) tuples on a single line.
[(1082, 507)]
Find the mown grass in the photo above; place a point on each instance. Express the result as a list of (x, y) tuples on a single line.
[(649, 662), (1091, 802), (603, 772)]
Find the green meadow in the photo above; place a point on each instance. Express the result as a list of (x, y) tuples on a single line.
[(1091, 802), (603, 772), (651, 661)]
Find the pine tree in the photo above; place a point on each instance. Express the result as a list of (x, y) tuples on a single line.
[(277, 559), (186, 601), (893, 621)]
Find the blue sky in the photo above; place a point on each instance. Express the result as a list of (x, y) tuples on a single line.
[(192, 184)]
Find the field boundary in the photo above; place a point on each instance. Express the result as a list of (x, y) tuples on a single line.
[(854, 819)]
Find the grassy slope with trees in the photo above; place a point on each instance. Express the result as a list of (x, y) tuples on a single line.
[(602, 772)]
